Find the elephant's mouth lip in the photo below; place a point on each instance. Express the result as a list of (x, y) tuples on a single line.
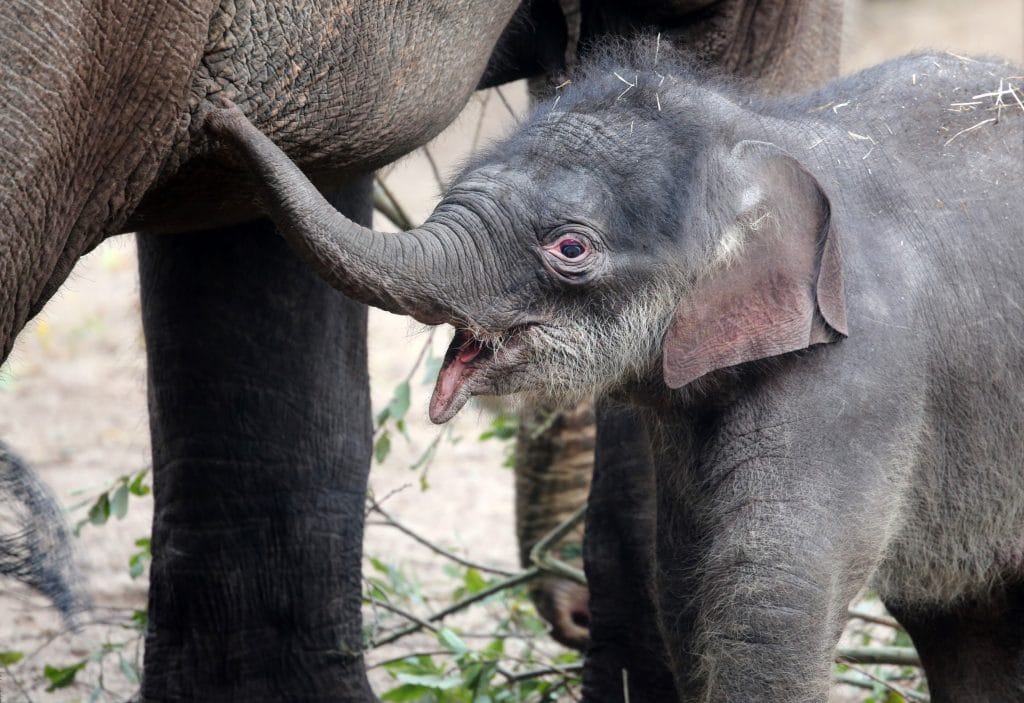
[(469, 362)]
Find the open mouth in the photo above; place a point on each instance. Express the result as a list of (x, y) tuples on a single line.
[(469, 364)]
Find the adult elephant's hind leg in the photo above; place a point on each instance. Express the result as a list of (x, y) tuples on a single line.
[(973, 652), (261, 431)]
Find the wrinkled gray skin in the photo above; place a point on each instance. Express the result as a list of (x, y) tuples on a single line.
[(812, 306)]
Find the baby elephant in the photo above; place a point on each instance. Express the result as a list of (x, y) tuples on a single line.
[(816, 307)]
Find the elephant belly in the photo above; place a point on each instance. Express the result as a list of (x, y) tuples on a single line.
[(342, 87)]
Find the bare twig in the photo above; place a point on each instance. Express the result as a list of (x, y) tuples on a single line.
[(386, 204), (906, 693), (629, 86), (423, 624), (871, 617), (484, 99), (17, 683), (423, 352), (390, 521), (441, 187), (497, 587), (515, 676), (897, 656), (969, 129), (540, 554), (402, 657), (507, 104)]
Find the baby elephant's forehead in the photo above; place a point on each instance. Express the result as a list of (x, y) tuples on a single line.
[(578, 137), (534, 182)]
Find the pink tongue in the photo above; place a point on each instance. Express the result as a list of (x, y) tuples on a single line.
[(449, 397), (445, 401)]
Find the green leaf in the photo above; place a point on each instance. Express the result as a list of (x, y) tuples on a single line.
[(128, 669), (406, 693), (570, 550), (399, 404), (441, 683), (137, 486), (137, 561), (450, 641), (495, 649), (139, 619), (382, 447), (474, 581), (431, 367), (10, 657), (119, 502), (62, 677), (503, 427), (99, 513)]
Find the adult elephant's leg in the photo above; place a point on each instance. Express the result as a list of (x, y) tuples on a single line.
[(261, 430), (626, 646), (554, 461)]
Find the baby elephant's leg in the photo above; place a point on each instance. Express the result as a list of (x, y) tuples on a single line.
[(972, 652), (760, 550)]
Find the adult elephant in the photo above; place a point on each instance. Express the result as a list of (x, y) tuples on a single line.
[(259, 404), (783, 46)]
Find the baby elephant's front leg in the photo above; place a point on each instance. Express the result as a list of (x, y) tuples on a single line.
[(757, 562)]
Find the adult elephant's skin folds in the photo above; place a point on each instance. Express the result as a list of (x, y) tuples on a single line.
[(343, 88), (93, 95)]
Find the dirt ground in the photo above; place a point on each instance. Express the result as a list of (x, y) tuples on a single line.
[(73, 402)]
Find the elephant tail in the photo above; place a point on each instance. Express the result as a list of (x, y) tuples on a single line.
[(35, 542)]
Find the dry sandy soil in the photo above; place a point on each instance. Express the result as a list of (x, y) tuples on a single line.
[(72, 396)]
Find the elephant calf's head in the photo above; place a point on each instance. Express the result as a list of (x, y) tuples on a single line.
[(623, 234)]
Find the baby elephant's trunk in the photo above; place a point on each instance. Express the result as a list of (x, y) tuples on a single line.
[(410, 273)]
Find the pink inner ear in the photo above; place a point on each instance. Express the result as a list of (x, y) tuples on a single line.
[(768, 301), (721, 327)]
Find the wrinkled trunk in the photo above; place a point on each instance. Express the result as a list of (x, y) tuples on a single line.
[(418, 273), (259, 497)]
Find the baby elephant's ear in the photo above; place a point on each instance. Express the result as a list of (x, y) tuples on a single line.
[(775, 284)]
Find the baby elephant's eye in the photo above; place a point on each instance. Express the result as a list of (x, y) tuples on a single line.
[(571, 249), (574, 253)]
